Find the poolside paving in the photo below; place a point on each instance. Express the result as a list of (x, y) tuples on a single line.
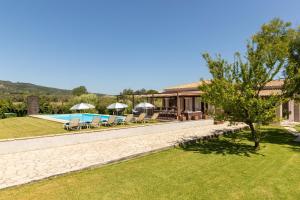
[(23, 161)]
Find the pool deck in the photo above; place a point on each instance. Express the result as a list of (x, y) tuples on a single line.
[(24, 161), (45, 117)]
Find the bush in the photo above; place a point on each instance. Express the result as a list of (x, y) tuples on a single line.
[(9, 115)]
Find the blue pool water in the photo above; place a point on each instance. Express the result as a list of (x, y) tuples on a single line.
[(85, 117)]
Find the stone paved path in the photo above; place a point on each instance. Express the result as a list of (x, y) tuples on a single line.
[(23, 161), (289, 126)]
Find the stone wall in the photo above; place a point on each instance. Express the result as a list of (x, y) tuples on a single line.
[(33, 107)]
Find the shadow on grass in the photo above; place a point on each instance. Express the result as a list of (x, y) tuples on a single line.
[(275, 135), (241, 143), (280, 136), (221, 146)]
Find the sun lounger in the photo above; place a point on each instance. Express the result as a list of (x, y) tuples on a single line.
[(110, 122), (140, 118), (127, 120), (94, 123), (153, 118), (73, 124)]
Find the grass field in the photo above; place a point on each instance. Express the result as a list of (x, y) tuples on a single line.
[(27, 126), (297, 128), (218, 169)]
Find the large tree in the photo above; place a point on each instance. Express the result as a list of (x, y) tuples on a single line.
[(79, 91), (236, 88), (292, 72)]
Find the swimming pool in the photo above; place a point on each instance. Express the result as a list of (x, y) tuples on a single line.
[(84, 117)]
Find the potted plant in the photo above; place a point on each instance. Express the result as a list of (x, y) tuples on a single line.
[(218, 117)]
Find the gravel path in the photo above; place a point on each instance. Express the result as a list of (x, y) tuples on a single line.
[(23, 161)]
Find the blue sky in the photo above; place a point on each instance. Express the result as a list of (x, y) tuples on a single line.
[(115, 44)]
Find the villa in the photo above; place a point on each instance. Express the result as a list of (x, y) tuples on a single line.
[(184, 101)]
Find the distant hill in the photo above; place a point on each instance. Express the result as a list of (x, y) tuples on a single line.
[(11, 88)]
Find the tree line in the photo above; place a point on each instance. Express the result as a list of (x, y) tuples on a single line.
[(61, 104)]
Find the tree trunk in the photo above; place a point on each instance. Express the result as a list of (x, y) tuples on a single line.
[(254, 136)]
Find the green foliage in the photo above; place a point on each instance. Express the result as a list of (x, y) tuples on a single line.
[(9, 115), (19, 89), (236, 87), (127, 92), (45, 106), (151, 91), (141, 91), (105, 101), (7, 106), (19, 108), (4, 107), (137, 92), (79, 91), (292, 85), (85, 98)]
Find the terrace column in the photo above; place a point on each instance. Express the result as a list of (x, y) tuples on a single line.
[(163, 102), (152, 99), (291, 110), (279, 112), (193, 103), (167, 100), (178, 106)]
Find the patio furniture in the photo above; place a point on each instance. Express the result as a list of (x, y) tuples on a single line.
[(73, 124), (192, 114), (117, 107), (140, 118), (94, 123), (145, 107), (110, 122), (153, 118), (127, 120), (167, 115), (182, 117)]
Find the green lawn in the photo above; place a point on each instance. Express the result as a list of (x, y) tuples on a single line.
[(28, 126), (297, 128), (219, 169)]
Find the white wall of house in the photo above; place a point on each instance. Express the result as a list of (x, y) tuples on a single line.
[(279, 112)]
